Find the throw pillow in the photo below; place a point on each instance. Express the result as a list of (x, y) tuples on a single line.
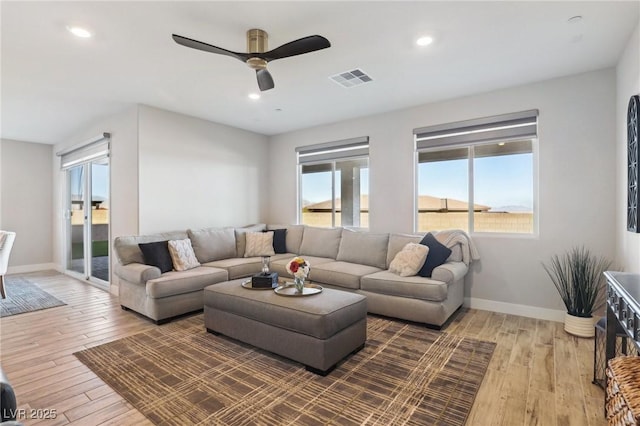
[(409, 260), (438, 254), (157, 254), (182, 255), (259, 244), (279, 240)]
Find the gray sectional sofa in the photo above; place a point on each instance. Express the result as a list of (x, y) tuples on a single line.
[(340, 258)]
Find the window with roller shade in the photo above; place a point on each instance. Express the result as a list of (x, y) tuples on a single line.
[(478, 175), (333, 183)]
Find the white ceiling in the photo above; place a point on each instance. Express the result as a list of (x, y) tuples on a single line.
[(54, 84)]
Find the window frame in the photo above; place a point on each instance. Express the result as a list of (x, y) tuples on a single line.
[(470, 146), (331, 153)]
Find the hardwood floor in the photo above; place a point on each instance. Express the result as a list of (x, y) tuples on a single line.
[(539, 375)]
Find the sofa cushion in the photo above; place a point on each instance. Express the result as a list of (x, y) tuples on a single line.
[(341, 274), (364, 248), (238, 267), (241, 236), (213, 243), (157, 254), (320, 242), (409, 260), (293, 236), (397, 243), (128, 251), (456, 248), (182, 255), (438, 254), (173, 283), (259, 244), (280, 241), (416, 287)]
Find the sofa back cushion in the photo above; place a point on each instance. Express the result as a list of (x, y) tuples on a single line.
[(364, 248), (320, 242), (293, 236), (397, 243), (241, 239), (211, 244), (127, 250)]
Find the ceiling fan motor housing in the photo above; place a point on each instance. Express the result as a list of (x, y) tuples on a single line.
[(257, 43)]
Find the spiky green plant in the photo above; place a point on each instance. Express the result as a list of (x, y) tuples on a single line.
[(578, 276)]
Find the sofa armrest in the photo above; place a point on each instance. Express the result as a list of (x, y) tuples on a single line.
[(450, 272), (136, 273)]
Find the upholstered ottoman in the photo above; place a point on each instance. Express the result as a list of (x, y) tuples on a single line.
[(317, 331)]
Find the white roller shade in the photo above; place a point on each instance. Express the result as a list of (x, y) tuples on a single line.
[(347, 148), (90, 150), (518, 125)]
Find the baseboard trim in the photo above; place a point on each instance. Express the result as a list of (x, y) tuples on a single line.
[(23, 269), (515, 309)]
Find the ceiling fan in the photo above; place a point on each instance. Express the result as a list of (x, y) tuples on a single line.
[(256, 57)]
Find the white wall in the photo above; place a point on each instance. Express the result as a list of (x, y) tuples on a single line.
[(123, 180), (576, 177), (628, 84), (195, 173), (26, 200)]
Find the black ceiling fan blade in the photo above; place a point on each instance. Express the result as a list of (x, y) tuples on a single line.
[(296, 47), (265, 81), (195, 44)]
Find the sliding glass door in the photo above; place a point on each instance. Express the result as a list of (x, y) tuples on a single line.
[(88, 220)]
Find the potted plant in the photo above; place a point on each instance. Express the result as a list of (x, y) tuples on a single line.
[(578, 277)]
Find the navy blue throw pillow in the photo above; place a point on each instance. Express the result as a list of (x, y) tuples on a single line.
[(279, 240), (438, 254), (157, 254)]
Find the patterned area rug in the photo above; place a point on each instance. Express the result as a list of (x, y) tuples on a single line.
[(24, 296), (179, 374)]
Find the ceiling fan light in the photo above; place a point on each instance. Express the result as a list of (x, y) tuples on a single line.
[(254, 96)]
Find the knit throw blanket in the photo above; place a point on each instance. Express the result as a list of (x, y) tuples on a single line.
[(451, 237)]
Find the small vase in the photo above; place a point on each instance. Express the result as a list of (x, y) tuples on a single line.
[(299, 284)]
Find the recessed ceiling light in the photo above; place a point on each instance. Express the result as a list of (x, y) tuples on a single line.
[(79, 32), (254, 96), (424, 41)]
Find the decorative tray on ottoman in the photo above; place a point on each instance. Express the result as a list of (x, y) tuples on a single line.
[(289, 290)]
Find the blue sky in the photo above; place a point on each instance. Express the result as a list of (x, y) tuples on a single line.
[(500, 181), (100, 181)]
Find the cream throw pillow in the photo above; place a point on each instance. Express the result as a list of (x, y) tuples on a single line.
[(409, 260), (259, 244), (182, 255)]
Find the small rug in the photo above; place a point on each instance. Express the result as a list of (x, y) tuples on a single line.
[(24, 296), (179, 374)]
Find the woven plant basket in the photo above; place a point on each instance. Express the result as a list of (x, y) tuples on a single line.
[(623, 391)]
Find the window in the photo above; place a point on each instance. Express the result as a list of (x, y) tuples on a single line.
[(334, 183), (478, 175)]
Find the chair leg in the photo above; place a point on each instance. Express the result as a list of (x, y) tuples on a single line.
[(2, 293)]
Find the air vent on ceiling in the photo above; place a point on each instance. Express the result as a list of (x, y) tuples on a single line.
[(351, 78)]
